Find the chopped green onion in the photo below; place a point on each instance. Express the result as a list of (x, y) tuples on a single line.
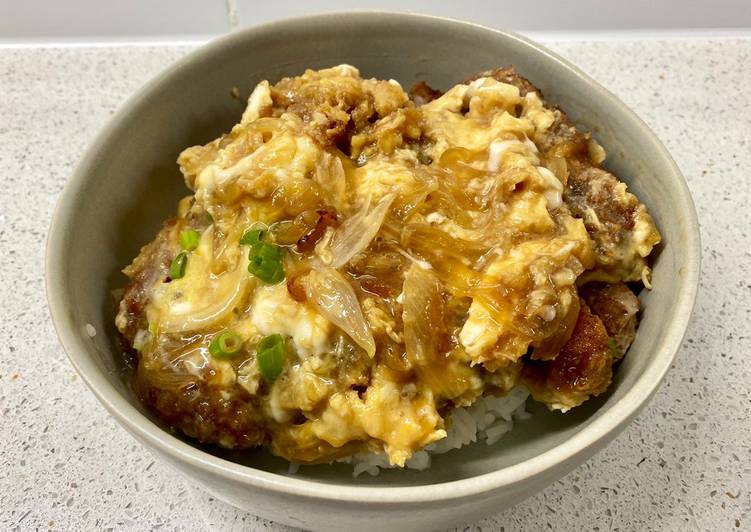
[(189, 239), (177, 268), (270, 356), (266, 263), (225, 344), (252, 237), (613, 348), (209, 218)]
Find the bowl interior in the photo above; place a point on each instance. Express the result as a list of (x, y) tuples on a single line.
[(129, 183)]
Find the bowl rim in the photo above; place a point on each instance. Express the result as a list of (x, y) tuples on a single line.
[(148, 432)]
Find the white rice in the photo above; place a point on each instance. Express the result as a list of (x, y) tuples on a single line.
[(486, 420)]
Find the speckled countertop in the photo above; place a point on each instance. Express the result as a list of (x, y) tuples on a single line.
[(684, 464)]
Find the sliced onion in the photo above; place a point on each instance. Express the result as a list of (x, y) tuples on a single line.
[(201, 299), (222, 296), (166, 378), (357, 231), (559, 167), (329, 174), (335, 299), (423, 315)]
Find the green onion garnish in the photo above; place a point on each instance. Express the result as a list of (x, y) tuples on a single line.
[(270, 355), (225, 344), (189, 239), (177, 268), (252, 237), (266, 263), (613, 348), (209, 218)]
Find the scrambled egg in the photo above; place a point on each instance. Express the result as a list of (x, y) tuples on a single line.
[(362, 193), (273, 311)]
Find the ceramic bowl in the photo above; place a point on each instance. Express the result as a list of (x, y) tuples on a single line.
[(128, 182)]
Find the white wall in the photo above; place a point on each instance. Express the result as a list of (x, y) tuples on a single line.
[(94, 20), (64, 20), (539, 14)]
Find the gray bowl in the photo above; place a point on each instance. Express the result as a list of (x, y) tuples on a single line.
[(128, 182)]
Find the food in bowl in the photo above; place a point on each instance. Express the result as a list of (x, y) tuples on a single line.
[(362, 272)]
